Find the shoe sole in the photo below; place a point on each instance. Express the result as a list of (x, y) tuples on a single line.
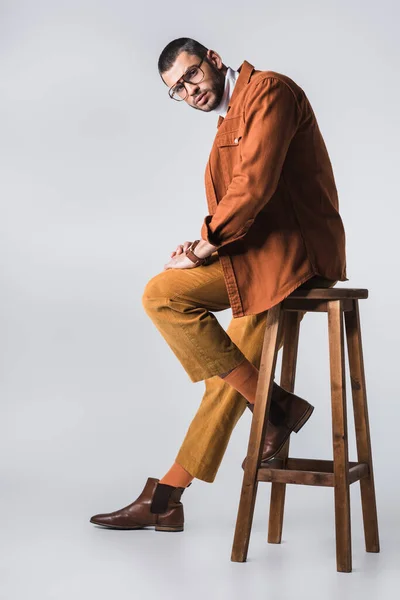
[(302, 421), (163, 528), (156, 527)]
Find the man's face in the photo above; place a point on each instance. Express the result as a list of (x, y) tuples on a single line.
[(210, 90)]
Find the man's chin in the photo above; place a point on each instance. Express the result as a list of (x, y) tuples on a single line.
[(205, 108), (209, 105)]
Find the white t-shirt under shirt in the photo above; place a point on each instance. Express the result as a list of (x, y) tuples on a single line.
[(230, 80)]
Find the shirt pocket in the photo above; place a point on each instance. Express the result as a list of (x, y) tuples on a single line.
[(230, 131), (230, 139), (229, 149)]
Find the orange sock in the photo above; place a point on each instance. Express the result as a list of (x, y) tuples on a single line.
[(244, 379), (177, 476)]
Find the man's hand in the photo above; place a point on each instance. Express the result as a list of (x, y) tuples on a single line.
[(181, 248), (179, 260)]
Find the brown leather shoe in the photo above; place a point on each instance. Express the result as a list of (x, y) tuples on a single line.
[(288, 413), (158, 505)]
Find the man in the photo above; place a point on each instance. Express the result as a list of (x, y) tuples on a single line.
[(273, 225)]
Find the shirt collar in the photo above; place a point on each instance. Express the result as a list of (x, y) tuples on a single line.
[(231, 77)]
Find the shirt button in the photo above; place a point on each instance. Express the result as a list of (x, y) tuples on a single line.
[(236, 140)]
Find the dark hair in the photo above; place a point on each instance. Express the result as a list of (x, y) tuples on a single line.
[(172, 50)]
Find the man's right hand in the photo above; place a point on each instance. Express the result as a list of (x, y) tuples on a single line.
[(181, 248)]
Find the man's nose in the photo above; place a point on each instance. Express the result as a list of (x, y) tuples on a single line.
[(195, 88)]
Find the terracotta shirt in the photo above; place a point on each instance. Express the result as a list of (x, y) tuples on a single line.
[(271, 194)]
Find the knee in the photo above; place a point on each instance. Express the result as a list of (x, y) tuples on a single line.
[(157, 290)]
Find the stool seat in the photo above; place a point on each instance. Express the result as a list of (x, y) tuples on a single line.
[(341, 306), (317, 299), (329, 294)]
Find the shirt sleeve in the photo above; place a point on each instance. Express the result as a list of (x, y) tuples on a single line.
[(271, 120)]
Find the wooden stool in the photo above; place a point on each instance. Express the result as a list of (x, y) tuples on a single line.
[(338, 473)]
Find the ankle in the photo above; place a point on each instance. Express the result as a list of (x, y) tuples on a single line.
[(244, 379), (165, 497), (177, 476)]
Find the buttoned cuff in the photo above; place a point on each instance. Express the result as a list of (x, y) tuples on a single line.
[(225, 237)]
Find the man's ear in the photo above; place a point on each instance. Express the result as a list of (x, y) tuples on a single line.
[(215, 58)]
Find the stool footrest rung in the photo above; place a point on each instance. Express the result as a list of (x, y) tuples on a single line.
[(308, 471)]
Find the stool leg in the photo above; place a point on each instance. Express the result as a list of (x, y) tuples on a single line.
[(339, 435), (257, 433), (288, 373), (361, 422)]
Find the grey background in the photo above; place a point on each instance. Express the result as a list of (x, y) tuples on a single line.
[(101, 178)]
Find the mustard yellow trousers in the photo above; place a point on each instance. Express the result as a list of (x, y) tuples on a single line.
[(181, 302)]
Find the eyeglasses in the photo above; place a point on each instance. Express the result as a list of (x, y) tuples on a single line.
[(192, 75)]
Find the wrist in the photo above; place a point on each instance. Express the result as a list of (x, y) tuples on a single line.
[(204, 249), (199, 257)]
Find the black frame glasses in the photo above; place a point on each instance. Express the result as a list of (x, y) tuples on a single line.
[(171, 89)]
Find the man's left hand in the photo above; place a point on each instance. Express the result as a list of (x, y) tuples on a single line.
[(180, 261)]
